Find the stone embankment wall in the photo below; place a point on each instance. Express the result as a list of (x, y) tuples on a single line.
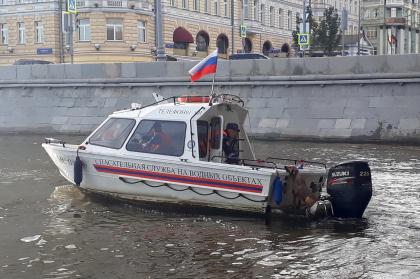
[(342, 98)]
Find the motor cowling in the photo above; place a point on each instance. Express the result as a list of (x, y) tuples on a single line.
[(350, 187)]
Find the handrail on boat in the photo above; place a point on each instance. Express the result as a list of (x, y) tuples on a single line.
[(274, 166), (296, 160), (225, 97), (52, 140), (192, 134), (229, 97)]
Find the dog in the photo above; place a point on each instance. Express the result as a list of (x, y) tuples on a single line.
[(299, 188)]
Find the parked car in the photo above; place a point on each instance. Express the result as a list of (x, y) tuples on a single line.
[(31, 62), (240, 56)]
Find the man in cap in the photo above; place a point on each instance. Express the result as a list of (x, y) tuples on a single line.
[(230, 146), (158, 138)]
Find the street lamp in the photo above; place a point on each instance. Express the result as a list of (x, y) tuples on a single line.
[(232, 15), (242, 23), (358, 33), (161, 57), (304, 25)]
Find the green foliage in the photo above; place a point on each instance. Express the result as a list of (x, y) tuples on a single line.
[(328, 33), (313, 25), (296, 32)]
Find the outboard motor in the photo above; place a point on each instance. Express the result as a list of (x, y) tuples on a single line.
[(350, 188)]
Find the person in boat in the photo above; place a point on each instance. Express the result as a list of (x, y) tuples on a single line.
[(158, 138), (231, 149)]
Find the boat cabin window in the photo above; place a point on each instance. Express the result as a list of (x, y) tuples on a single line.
[(113, 133), (158, 137), (216, 136), (203, 135)]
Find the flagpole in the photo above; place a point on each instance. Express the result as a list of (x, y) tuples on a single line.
[(212, 91), (212, 85)]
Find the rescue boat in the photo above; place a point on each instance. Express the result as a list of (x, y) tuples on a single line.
[(188, 166)]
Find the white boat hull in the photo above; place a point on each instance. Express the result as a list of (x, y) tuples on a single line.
[(149, 178)]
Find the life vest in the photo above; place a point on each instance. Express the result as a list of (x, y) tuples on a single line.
[(203, 145), (166, 140), (111, 134)]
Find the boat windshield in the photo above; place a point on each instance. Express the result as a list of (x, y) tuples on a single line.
[(158, 137), (113, 133)]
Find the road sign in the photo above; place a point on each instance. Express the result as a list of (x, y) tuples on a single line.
[(243, 31), (71, 6), (304, 47), (243, 41), (303, 39)]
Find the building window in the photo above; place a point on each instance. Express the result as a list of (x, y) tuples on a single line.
[(21, 27), (4, 34), (185, 4), (371, 32), (226, 6), (114, 29), (376, 13), (84, 30), (216, 7), (289, 20), (255, 10), (246, 8), (207, 6), (367, 14), (262, 14), (4, 2), (350, 5), (271, 16), (196, 5), (393, 12), (141, 31), (280, 18), (172, 3), (39, 32)]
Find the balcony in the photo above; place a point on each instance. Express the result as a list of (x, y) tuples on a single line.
[(395, 3), (395, 21)]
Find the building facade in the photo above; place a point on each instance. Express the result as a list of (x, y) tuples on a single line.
[(124, 30), (392, 25)]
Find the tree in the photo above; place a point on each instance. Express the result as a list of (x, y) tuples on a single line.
[(296, 32), (313, 25), (328, 33)]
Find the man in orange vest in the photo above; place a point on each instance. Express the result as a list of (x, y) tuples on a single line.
[(158, 139), (229, 135)]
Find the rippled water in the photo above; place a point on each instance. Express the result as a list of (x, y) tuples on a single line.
[(51, 230)]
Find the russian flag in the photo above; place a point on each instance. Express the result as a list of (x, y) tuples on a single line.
[(206, 66)]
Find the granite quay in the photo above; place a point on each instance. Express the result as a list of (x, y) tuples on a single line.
[(366, 98)]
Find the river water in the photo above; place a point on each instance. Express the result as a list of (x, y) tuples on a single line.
[(49, 229)]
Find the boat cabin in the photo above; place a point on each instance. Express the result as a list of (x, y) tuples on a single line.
[(190, 128)]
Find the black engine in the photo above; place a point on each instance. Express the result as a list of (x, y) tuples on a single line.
[(350, 188)]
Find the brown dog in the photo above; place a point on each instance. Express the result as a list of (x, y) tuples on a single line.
[(299, 188)]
